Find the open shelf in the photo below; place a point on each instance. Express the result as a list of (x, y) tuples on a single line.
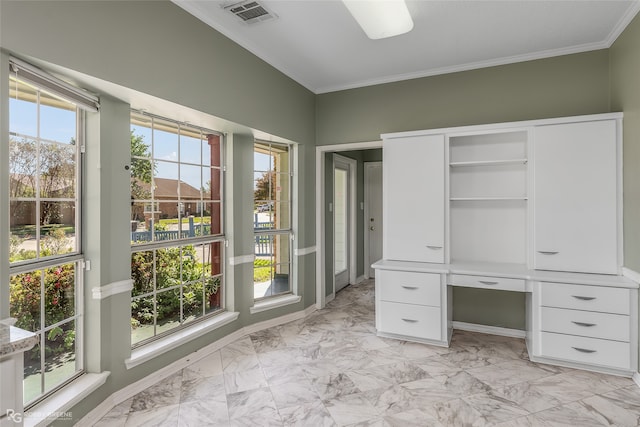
[(489, 163)]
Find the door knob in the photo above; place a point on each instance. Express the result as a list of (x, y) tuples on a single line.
[(371, 228)]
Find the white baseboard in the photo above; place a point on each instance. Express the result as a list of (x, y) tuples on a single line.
[(490, 330), (636, 378), (132, 389), (631, 274)]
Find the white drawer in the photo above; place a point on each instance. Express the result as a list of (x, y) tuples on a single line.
[(487, 282), (590, 298), (410, 287), (586, 323), (593, 351), (410, 320)]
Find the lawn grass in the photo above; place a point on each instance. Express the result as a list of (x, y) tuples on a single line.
[(30, 230), (168, 221)]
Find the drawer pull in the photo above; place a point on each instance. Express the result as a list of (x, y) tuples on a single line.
[(583, 350), (409, 287), (548, 252), (487, 282), (409, 320), (586, 325), (581, 298), (434, 247)]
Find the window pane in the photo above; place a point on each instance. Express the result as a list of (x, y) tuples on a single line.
[(282, 214), (142, 272), (168, 263), (213, 294), (165, 182), (212, 178), (263, 266), (59, 293), (191, 265), (23, 110), (23, 244), (141, 172), (23, 163), (212, 259), (57, 119), (142, 319), (24, 297), (60, 354), (57, 228), (190, 182), (57, 170), (190, 149), (193, 303), (168, 309), (165, 140), (32, 374)]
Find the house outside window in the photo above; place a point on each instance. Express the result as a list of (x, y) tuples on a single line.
[(272, 183), (45, 258), (177, 232)]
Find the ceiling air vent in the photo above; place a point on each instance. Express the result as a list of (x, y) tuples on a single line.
[(250, 11)]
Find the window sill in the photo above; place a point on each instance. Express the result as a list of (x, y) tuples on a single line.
[(272, 303), (163, 345), (60, 402)]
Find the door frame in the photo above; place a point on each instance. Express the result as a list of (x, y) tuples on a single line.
[(321, 211), (367, 199), (352, 177)]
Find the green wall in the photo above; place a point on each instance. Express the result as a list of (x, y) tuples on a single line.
[(555, 87), (625, 96), (155, 53)]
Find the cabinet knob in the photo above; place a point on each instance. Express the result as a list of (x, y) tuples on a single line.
[(548, 252), (486, 282), (409, 287), (434, 247), (410, 320)]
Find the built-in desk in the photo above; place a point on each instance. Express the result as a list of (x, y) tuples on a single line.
[(13, 343), (581, 320)]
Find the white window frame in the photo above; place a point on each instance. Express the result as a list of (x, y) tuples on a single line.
[(150, 346), (43, 82)]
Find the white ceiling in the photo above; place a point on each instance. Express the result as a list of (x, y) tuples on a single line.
[(319, 44)]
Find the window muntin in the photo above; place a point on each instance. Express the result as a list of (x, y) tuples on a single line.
[(45, 274), (272, 219), (176, 225)]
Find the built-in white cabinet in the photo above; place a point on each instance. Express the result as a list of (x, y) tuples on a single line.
[(576, 197), (531, 207), (414, 188), (409, 305), (586, 324)]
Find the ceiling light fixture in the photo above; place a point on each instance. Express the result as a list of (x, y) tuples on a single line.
[(381, 18)]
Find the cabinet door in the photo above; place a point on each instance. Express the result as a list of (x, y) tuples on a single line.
[(575, 197), (413, 197)]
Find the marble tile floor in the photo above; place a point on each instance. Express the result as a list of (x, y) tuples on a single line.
[(330, 369)]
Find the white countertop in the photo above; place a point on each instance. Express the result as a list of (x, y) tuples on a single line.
[(15, 340)]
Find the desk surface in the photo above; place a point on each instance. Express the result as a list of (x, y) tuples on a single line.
[(514, 271)]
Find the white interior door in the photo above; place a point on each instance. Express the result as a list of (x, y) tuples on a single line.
[(373, 215), (341, 230)]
